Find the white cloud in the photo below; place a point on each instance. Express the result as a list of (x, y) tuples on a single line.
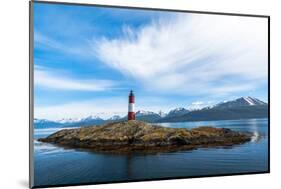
[(191, 54), (53, 79), (81, 48)]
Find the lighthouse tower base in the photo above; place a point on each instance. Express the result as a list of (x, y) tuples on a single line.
[(131, 116)]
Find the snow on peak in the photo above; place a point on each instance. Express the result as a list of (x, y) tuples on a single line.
[(162, 114), (68, 120), (178, 112), (180, 109), (36, 120), (75, 120), (250, 101), (253, 101), (92, 117), (243, 101), (142, 112), (115, 117)]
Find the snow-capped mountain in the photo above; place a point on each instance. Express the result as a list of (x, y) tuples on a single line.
[(77, 120), (254, 101), (68, 120), (243, 101), (40, 120), (244, 107), (177, 112), (162, 114), (89, 118), (147, 116), (143, 113), (115, 117), (241, 108), (44, 123)]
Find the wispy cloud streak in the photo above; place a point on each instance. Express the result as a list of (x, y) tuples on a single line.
[(191, 54), (80, 48), (55, 80)]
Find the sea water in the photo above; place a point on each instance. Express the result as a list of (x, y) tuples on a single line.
[(55, 165)]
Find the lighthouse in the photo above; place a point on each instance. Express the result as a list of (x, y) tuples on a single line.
[(131, 112)]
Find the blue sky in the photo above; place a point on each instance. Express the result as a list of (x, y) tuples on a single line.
[(88, 58)]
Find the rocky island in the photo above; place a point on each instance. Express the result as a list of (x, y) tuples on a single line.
[(138, 136)]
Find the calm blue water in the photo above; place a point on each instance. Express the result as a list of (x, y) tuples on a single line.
[(56, 165)]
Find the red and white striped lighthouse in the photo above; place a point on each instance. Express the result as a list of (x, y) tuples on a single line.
[(131, 112)]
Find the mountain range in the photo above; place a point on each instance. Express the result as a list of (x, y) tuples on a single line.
[(241, 108)]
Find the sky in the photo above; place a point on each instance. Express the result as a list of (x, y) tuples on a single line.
[(87, 59)]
